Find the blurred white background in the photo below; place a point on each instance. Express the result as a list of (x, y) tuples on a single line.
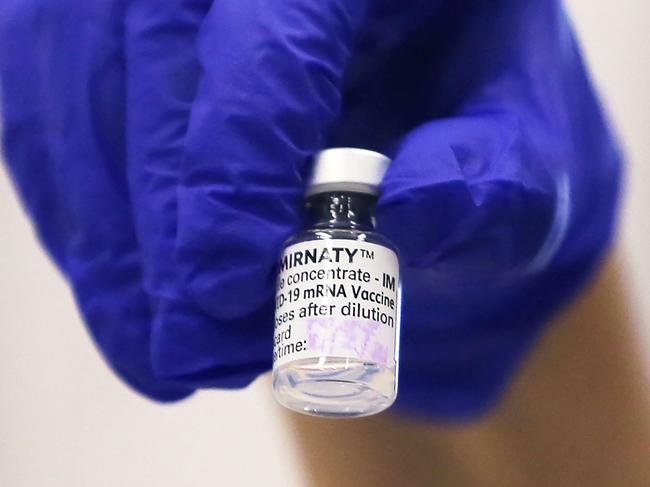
[(66, 421)]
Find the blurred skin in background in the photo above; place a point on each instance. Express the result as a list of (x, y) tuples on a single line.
[(577, 414)]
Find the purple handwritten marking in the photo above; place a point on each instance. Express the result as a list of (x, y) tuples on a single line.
[(329, 335)]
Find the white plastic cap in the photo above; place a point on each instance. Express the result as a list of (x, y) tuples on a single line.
[(347, 169)]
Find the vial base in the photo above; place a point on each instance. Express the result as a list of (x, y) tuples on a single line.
[(335, 387)]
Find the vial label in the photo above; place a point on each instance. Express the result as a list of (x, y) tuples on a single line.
[(337, 298)]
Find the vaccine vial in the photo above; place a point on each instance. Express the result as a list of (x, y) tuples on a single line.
[(337, 318)]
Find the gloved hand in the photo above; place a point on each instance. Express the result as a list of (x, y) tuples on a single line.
[(162, 147)]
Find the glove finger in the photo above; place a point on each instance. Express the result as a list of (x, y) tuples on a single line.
[(163, 73), (161, 81), (63, 93), (263, 102), (502, 210)]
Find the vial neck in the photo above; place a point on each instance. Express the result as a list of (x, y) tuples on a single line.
[(342, 210)]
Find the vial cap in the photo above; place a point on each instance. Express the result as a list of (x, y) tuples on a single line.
[(347, 169)]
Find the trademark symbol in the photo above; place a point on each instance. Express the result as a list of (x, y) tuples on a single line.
[(368, 254)]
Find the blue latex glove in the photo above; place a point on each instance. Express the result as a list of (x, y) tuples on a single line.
[(161, 148)]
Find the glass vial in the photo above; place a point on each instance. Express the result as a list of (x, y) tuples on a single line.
[(337, 319)]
